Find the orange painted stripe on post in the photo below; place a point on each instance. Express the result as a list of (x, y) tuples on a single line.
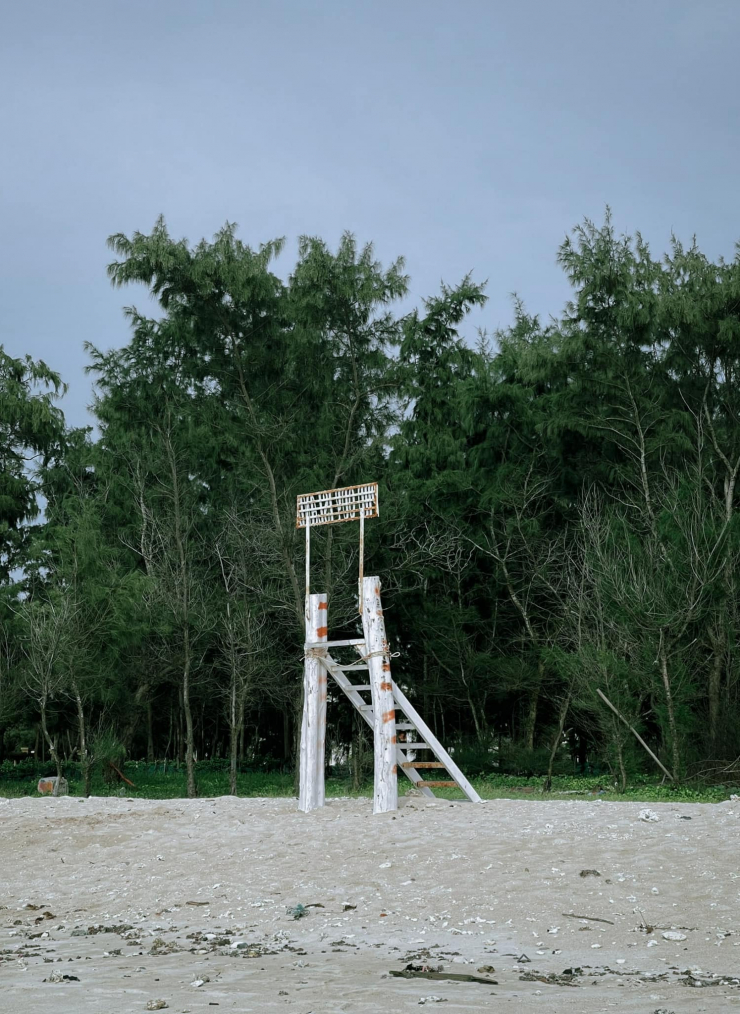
[(393, 739), (386, 686), (389, 716), (386, 667), (322, 631), (395, 769), (323, 605)]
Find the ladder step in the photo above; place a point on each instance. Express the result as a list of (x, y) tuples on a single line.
[(334, 644), (422, 764), (347, 668), (437, 785), (359, 686), (413, 746), (401, 726), (364, 707)]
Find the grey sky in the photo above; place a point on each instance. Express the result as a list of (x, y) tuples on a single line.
[(464, 134)]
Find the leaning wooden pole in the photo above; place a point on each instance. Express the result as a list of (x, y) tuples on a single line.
[(636, 734), (377, 655), (313, 726)]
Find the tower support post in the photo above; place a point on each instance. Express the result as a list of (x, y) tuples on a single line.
[(313, 726), (377, 655)]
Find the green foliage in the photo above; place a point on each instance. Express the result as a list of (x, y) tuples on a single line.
[(559, 512), (20, 780), (31, 429)]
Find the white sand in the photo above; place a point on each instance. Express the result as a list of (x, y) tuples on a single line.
[(456, 885)]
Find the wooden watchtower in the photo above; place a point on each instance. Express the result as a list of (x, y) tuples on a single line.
[(400, 734)]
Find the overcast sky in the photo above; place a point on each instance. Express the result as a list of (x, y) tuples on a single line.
[(463, 134)]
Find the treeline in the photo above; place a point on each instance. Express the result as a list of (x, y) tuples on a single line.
[(558, 510)]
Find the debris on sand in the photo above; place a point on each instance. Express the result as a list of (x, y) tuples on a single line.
[(48, 786), (156, 1005), (160, 947), (701, 980), (122, 927), (59, 977), (589, 873), (648, 815), (566, 979), (432, 999)]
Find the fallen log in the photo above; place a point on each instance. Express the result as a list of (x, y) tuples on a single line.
[(439, 976)]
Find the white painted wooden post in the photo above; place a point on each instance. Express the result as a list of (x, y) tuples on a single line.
[(385, 793), (313, 727)]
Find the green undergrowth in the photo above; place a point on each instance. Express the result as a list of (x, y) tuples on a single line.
[(156, 782)]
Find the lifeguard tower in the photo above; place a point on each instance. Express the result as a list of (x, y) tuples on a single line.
[(400, 735)]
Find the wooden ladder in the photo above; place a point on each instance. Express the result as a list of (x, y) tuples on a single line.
[(413, 725)]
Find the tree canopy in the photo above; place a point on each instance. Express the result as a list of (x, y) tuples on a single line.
[(559, 508)]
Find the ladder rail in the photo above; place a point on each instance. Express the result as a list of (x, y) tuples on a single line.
[(430, 740), (359, 702), (367, 713), (436, 747)]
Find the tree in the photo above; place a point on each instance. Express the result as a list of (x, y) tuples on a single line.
[(47, 649), (31, 431)]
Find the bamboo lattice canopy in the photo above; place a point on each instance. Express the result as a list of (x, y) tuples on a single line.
[(332, 506)]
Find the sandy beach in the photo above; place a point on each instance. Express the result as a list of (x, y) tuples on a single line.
[(187, 902)]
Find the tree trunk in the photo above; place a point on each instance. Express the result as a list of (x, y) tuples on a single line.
[(619, 746), (675, 749), (479, 729), (85, 759), (180, 731), (149, 734), (189, 738), (358, 751), (715, 692), (286, 736), (556, 742), (530, 719), (169, 734), (51, 744), (233, 735)]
